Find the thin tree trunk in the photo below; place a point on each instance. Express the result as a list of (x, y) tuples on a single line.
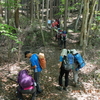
[(47, 15), (34, 9), (40, 24), (91, 17), (83, 41), (43, 11), (7, 13), (76, 24), (51, 9), (16, 15), (66, 15), (1, 11), (31, 10)]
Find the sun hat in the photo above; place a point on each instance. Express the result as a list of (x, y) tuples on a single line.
[(64, 52), (74, 51)]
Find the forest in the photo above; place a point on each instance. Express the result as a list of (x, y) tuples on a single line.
[(26, 25)]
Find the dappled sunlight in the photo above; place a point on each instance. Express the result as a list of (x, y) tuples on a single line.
[(55, 84), (88, 68), (72, 41)]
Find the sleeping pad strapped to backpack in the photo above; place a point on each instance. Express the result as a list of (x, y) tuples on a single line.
[(80, 60), (42, 60)]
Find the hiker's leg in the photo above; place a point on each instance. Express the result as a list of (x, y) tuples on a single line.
[(19, 93), (34, 94), (75, 74), (36, 78), (60, 77), (61, 43), (30, 91), (66, 78), (64, 44)]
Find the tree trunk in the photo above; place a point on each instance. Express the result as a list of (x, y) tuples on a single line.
[(87, 21), (34, 9), (66, 15), (47, 15), (1, 11), (92, 10), (42, 11), (40, 24), (6, 13), (76, 24), (16, 15), (51, 9), (31, 10), (83, 41)]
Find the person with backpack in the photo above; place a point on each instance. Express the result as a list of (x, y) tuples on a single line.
[(78, 63), (65, 68), (27, 85), (63, 38), (58, 36), (35, 65), (58, 23)]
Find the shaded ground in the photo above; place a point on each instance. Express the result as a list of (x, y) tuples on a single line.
[(89, 88)]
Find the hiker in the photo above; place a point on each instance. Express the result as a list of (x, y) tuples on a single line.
[(58, 23), (36, 68), (54, 24), (63, 38), (58, 35), (78, 63), (26, 85), (63, 71)]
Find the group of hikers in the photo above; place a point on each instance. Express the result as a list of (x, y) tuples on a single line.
[(61, 35), (69, 60)]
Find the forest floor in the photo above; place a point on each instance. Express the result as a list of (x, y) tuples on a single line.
[(88, 89)]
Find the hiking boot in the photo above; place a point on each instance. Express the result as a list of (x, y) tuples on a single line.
[(65, 88), (60, 88), (75, 85)]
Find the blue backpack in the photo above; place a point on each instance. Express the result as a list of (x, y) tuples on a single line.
[(79, 59)]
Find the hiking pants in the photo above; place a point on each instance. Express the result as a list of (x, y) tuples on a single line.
[(62, 72), (75, 73), (30, 91), (62, 43), (59, 41), (36, 78)]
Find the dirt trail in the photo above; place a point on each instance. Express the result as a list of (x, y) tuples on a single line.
[(87, 90)]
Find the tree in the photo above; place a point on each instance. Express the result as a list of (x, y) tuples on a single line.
[(1, 11), (66, 15), (16, 14), (31, 11), (47, 14), (86, 23), (78, 17)]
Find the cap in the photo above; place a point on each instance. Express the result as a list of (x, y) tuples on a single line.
[(26, 52)]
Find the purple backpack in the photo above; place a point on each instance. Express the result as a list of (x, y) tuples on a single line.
[(25, 80)]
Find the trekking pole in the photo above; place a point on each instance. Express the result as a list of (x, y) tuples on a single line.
[(9, 78)]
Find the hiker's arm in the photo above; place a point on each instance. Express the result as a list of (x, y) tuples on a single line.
[(61, 59), (60, 64), (33, 67)]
